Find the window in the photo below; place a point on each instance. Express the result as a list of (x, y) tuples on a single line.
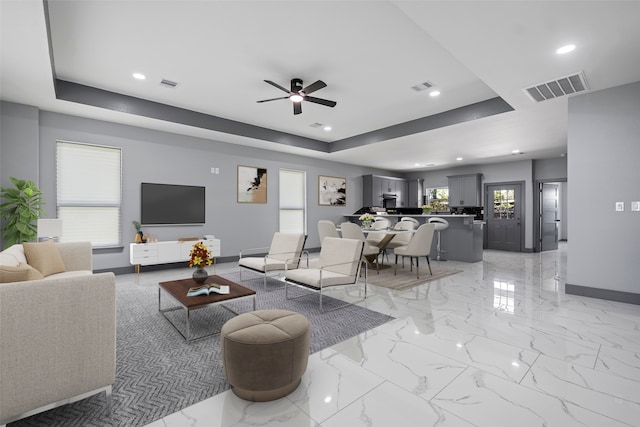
[(89, 192), (438, 198), (293, 201), (504, 204)]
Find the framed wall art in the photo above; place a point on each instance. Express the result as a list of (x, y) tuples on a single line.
[(332, 191), (252, 184)]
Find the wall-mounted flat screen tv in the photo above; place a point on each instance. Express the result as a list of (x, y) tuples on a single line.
[(166, 204)]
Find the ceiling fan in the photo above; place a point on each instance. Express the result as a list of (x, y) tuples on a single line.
[(297, 94)]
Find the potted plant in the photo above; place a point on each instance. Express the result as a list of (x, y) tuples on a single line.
[(426, 209), (200, 257), (20, 209), (139, 233), (366, 219)]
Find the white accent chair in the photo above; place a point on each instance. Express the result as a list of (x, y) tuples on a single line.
[(339, 264), (327, 228), (370, 252), (285, 252), (419, 245)]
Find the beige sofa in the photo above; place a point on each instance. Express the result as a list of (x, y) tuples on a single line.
[(57, 333)]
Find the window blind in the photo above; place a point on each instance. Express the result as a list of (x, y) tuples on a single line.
[(292, 201), (89, 192)]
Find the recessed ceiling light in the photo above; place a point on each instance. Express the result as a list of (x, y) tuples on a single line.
[(327, 128), (434, 93), (139, 76), (416, 164), (565, 49), (458, 158), (515, 151)]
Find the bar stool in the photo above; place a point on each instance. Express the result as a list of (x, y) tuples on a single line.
[(441, 225)]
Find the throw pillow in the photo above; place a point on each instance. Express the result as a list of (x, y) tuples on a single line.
[(21, 273), (13, 255), (44, 257)]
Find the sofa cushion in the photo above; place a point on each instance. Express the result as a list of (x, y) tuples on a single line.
[(44, 256), (20, 273), (13, 256)]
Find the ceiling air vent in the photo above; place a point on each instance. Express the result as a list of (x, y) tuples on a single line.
[(422, 86), (316, 125), (168, 83), (556, 88)]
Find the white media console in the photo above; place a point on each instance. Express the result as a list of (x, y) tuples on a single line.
[(167, 252)]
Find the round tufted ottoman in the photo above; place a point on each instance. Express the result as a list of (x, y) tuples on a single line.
[(265, 353)]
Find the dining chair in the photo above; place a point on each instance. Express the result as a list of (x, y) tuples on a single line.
[(419, 245), (379, 223), (339, 264), (402, 239), (285, 252), (370, 252), (327, 228)]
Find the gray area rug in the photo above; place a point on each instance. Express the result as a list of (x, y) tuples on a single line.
[(158, 373)]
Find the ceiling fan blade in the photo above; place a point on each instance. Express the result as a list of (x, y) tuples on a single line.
[(314, 87), (297, 108), (278, 86), (273, 99), (320, 101)]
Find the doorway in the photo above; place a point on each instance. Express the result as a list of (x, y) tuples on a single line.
[(549, 216), (504, 216), (550, 225)]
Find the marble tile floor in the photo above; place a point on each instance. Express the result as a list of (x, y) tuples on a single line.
[(499, 344)]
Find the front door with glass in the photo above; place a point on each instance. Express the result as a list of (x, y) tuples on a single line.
[(504, 216)]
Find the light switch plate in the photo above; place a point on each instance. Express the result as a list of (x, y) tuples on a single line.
[(635, 206), (619, 206)]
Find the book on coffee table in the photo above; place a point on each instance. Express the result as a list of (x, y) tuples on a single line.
[(207, 289)]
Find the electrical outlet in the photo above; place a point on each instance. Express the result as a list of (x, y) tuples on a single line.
[(635, 206), (213, 170), (619, 206)]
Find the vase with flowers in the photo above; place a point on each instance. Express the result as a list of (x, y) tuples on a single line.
[(426, 209), (366, 220), (200, 257)]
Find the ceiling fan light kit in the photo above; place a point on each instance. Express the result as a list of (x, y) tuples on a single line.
[(298, 93)]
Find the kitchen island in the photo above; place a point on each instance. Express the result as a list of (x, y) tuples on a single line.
[(462, 241)]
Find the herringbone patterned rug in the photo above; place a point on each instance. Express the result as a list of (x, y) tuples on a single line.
[(157, 373)]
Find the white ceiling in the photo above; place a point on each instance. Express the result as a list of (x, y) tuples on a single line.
[(370, 54)]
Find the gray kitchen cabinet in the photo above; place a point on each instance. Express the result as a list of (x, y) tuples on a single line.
[(464, 190), (374, 186), (414, 197)]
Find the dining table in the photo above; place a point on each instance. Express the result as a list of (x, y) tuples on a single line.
[(387, 237)]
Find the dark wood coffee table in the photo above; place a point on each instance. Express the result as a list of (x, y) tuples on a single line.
[(177, 289)]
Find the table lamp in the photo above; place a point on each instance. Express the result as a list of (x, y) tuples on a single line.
[(49, 229)]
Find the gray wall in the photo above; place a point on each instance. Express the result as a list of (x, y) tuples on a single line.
[(604, 149), (19, 136), (153, 156)]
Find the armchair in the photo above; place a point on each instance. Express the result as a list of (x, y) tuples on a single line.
[(339, 264), (285, 252)]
